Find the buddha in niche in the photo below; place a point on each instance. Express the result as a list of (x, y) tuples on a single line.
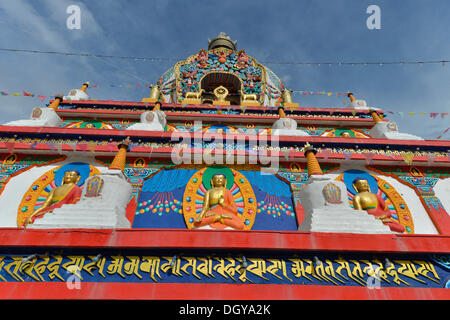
[(68, 193), (11, 159), (219, 209), (373, 204)]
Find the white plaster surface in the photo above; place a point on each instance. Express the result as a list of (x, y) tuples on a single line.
[(442, 191), (360, 105), (321, 216), (158, 122), (382, 131), (17, 186), (105, 211), (48, 118), (76, 94), (287, 127), (422, 221)]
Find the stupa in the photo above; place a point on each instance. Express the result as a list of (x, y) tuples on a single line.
[(219, 186)]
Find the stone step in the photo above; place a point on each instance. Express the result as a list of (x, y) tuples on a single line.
[(356, 230), (367, 228), (73, 226), (72, 220), (340, 219)]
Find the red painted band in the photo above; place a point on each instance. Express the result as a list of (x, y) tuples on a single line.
[(212, 291), (212, 239)]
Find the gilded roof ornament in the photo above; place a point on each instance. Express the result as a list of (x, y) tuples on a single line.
[(222, 40)]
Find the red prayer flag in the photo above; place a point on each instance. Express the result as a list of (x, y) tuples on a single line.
[(27, 93)]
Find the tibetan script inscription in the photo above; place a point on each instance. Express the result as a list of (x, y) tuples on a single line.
[(306, 270)]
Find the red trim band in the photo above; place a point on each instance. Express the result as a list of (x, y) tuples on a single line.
[(212, 291), (231, 239)]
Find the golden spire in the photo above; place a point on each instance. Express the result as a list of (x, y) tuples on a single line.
[(85, 86), (311, 161), (350, 95), (375, 116), (55, 103), (157, 106), (121, 156)]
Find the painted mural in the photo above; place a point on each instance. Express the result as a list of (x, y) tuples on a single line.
[(174, 198)]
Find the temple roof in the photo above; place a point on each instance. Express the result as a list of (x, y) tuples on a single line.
[(222, 65)]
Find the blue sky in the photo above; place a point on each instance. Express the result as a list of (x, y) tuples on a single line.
[(284, 31)]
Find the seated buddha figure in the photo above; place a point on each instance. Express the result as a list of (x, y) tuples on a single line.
[(67, 193), (219, 209), (373, 204)]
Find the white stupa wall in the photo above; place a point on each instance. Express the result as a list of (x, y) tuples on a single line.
[(76, 94), (422, 221), (287, 127), (442, 191), (157, 123), (321, 216), (108, 210), (388, 130), (48, 118), (17, 186)]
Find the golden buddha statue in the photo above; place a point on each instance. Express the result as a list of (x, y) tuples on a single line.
[(373, 204), (67, 193), (219, 209)]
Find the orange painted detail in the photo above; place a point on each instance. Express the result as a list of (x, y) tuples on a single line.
[(55, 103), (120, 158), (376, 118), (312, 163)]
